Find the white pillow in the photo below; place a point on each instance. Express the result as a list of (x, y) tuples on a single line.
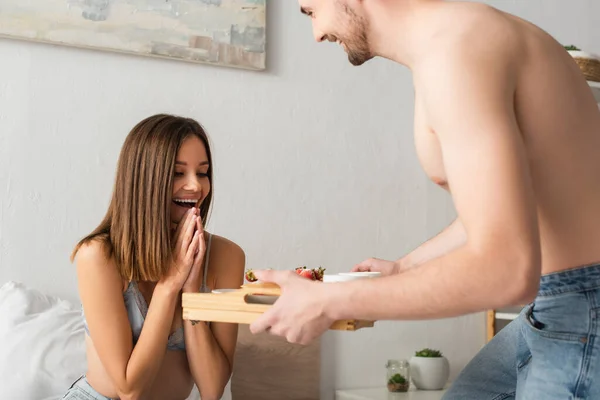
[(42, 345)]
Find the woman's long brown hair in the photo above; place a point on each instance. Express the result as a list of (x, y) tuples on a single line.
[(136, 227)]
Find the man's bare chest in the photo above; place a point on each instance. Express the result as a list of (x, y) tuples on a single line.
[(428, 148)]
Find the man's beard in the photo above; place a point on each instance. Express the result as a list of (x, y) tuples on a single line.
[(357, 44)]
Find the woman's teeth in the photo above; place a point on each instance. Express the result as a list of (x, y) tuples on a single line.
[(185, 202)]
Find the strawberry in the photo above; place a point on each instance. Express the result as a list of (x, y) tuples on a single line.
[(315, 274), (307, 273), (319, 272), (250, 276)]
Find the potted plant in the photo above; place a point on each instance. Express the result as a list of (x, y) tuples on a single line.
[(398, 375), (588, 63), (397, 383), (429, 369)]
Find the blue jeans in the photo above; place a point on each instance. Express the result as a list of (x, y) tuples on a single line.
[(81, 390), (550, 352)]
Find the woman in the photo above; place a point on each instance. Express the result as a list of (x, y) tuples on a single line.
[(132, 269)]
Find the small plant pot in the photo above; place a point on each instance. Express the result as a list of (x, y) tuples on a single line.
[(398, 387), (429, 373), (588, 63), (398, 375)]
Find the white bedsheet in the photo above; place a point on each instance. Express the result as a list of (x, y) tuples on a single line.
[(42, 345)]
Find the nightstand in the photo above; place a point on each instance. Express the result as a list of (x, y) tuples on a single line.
[(383, 394)]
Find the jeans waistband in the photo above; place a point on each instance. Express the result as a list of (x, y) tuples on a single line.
[(84, 385), (578, 279)]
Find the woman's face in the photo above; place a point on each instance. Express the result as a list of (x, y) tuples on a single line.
[(190, 182)]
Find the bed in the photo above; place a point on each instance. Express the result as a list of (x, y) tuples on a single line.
[(43, 352)]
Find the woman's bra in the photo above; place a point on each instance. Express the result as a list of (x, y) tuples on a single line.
[(137, 308)]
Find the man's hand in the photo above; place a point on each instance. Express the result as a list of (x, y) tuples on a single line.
[(299, 313), (376, 265)]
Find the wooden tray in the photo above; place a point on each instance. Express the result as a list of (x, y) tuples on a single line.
[(244, 306)]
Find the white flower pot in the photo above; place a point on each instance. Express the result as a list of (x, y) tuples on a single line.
[(583, 54), (429, 373)]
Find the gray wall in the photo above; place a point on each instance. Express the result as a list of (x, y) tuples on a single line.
[(314, 163)]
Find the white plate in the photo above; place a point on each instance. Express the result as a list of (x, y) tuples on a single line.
[(364, 274), (349, 276), (224, 290), (328, 278)]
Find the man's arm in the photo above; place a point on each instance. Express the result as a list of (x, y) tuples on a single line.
[(470, 108), (452, 237)]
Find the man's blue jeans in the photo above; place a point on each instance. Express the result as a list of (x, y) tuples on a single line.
[(550, 352)]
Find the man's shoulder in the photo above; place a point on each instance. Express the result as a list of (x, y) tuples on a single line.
[(474, 27), (474, 57), (471, 18), (471, 40)]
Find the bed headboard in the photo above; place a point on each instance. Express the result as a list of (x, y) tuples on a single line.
[(267, 367)]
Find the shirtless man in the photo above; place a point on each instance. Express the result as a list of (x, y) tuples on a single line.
[(505, 121)]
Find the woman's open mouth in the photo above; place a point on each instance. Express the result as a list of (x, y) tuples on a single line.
[(186, 203)]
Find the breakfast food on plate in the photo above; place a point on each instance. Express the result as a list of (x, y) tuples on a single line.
[(319, 272), (315, 274), (250, 276), (305, 273)]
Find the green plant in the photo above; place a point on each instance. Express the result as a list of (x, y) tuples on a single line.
[(428, 353), (397, 379), (398, 383), (572, 48)]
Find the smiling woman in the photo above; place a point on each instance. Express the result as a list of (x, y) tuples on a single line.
[(133, 268)]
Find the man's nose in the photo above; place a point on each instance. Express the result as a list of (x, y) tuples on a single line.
[(319, 36)]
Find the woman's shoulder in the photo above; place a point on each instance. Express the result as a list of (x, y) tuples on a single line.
[(94, 260), (94, 250), (226, 251), (225, 244)]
